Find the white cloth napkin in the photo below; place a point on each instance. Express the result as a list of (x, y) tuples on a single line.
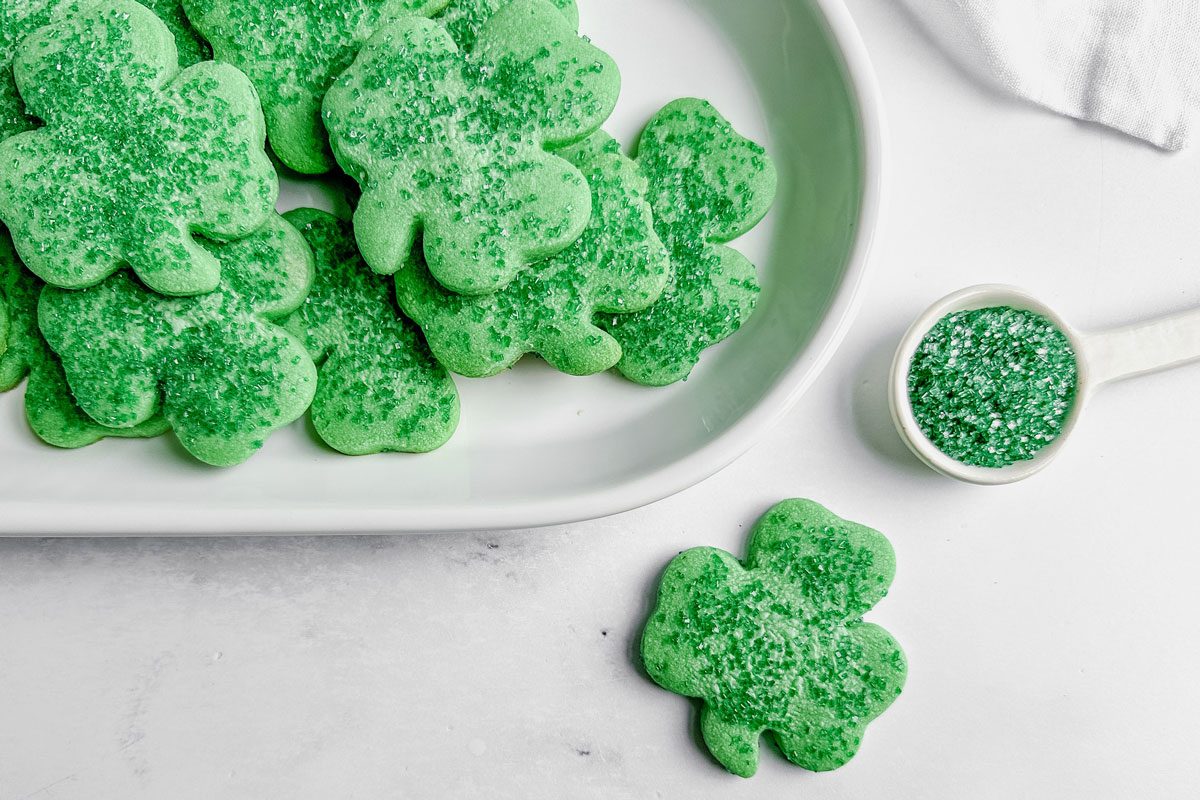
[(1131, 64)]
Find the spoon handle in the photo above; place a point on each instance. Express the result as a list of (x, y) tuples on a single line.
[(1144, 347)]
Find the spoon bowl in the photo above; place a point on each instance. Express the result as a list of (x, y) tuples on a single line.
[(971, 299), (1100, 358)]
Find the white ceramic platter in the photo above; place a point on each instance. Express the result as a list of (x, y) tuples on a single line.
[(536, 447)]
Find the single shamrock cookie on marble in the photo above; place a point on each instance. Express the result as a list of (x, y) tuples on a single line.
[(464, 19), (50, 408), (618, 264), (708, 185), (19, 18), (135, 157), (452, 144), (216, 365), (778, 643), (293, 50), (378, 386)]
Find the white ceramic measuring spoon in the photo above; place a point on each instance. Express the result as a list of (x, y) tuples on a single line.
[(1102, 357)]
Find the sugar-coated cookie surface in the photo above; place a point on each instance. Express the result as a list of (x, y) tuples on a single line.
[(618, 264), (452, 144), (378, 387), (708, 185), (293, 50), (778, 643), (465, 18), (49, 406), (19, 18), (189, 43), (5, 325), (216, 365), (135, 156)]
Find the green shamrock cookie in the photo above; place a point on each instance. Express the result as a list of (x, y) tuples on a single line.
[(618, 264), (452, 144), (49, 406), (708, 185), (466, 18), (215, 365), (19, 18), (778, 644), (293, 50), (378, 387), (135, 156)]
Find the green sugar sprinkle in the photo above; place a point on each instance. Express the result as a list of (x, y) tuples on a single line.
[(993, 386), (465, 19)]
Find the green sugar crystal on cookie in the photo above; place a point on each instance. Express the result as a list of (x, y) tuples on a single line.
[(293, 50), (378, 388), (5, 322), (778, 643), (49, 406), (134, 158), (452, 144), (191, 46), (19, 18), (708, 185), (464, 19), (618, 264), (216, 366)]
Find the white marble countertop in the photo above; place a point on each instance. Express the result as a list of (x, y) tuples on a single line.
[(1049, 625)]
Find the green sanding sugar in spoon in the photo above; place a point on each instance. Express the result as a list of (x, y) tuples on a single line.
[(993, 386)]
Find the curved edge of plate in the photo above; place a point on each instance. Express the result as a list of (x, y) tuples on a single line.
[(84, 520)]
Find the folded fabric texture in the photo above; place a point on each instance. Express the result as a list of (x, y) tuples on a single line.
[(1133, 65)]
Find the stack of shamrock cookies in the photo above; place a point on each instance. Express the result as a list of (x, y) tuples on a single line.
[(148, 284)]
